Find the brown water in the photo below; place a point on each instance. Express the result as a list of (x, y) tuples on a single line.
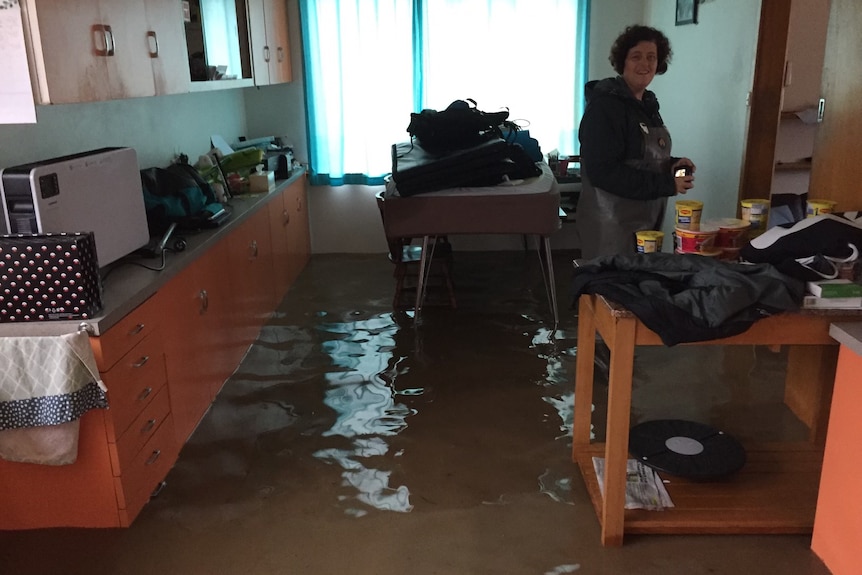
[(351, 441)]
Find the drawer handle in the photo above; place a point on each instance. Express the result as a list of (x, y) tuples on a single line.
[(141, 362), (154, 457), (137, 329), (205, 300), (148, 426), (145, 394)]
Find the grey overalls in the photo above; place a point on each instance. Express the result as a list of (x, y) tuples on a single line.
[(607, 223)]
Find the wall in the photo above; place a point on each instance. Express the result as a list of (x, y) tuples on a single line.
[(709, 101), (704, 95), (156, 127)]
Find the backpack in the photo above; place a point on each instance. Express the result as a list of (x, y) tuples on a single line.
[(178, 194), (461, 125)]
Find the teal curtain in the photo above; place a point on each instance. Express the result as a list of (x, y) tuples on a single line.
[(369, 64)]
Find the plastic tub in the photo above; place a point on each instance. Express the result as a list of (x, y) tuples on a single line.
[(756, 213), (649, 241), (688, 213), (817, 207), (699, 239), (732, 233)]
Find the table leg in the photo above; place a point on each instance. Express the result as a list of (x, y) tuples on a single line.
[(808, 385), (420, 281), (581, 425), (622, 344)]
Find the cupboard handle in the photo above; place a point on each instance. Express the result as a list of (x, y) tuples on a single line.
[(298, 204), (141, 362), (253, 248), (148, 426), (266, 53), (109, 42), (286, 217), (145, 393), (154, 457), (280, 54), (153, 42), (205, 301), (137, 329), (99, 32)]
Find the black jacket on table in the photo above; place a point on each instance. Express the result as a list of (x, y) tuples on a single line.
[(689, 297), (610, 134)]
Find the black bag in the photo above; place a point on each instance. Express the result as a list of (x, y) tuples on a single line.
[(178, 194), (461, 125)]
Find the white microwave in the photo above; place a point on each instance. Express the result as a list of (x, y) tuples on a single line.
[(97, 191)]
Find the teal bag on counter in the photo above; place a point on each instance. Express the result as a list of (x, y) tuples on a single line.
[(178, 194)]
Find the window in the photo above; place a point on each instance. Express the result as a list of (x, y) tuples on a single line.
[(369, 64)]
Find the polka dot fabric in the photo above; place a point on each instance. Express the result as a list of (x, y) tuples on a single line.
[(49, 277)]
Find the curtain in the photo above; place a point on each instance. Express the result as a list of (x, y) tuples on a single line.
[(369, 64)]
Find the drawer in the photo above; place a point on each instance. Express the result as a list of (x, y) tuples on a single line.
[(140, 431), (146, 470), (133, 382), (126, 334)]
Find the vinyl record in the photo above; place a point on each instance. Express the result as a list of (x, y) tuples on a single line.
[(686, 448)]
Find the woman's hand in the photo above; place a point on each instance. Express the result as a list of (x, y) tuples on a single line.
[(683, 170)]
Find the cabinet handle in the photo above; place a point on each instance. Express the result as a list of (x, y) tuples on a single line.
[(285, 215), (145, 393), (280, 54), (266, 53), (154, 457), (153, 42), (109, 40), (100, 32), (253, 248), (298, 204), (148, 426), (205, 301), (141, 362), (137, 329)]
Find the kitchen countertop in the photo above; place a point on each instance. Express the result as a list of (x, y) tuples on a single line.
[(848, 334), (126, 286)]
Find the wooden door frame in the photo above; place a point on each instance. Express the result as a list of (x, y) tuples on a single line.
[(765, 101)]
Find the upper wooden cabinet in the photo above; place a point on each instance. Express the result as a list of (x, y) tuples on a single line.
[(85, 51), (270, 49)]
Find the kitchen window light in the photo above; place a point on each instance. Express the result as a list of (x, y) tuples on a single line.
[(369, 64)]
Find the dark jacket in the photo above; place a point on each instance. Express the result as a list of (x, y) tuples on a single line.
[(610, 134), (689, 297)]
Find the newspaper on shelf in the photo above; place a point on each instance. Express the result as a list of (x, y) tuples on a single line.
[(644, 487)]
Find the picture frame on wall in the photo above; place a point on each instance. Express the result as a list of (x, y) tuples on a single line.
[(686, 12)]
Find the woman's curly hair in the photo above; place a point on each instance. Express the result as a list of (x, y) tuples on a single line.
[(634, 35)]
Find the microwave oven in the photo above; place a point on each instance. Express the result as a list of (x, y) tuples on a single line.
[(97, 191)]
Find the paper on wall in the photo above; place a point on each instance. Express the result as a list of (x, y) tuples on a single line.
[(16, 92)]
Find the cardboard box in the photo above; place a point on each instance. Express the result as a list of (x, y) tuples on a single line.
[(261, 181), (49, 277)]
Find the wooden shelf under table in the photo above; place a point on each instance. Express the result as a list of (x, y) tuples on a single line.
[(776, 491)]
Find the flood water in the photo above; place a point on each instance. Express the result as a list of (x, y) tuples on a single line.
[(352, 440)]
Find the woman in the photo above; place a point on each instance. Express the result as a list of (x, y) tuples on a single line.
[(626, 166)]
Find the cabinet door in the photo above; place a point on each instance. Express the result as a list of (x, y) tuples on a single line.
[(68, 46), (129, 67), (251, 278), (298, 242), (267, 21), (279, 220), (166, 46), (836, 170), (183, 302)]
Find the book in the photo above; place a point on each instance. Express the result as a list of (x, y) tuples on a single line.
[(835, 288), (815, 302)]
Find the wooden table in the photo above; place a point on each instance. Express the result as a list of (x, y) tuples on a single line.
[(776, 491)]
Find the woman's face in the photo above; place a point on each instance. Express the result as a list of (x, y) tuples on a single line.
[(640, 67)]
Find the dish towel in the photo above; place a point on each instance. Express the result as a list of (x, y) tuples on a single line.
[(46, 385)]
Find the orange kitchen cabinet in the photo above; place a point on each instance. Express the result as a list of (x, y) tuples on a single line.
[(124, 452), (298, 241), (251, 277)]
